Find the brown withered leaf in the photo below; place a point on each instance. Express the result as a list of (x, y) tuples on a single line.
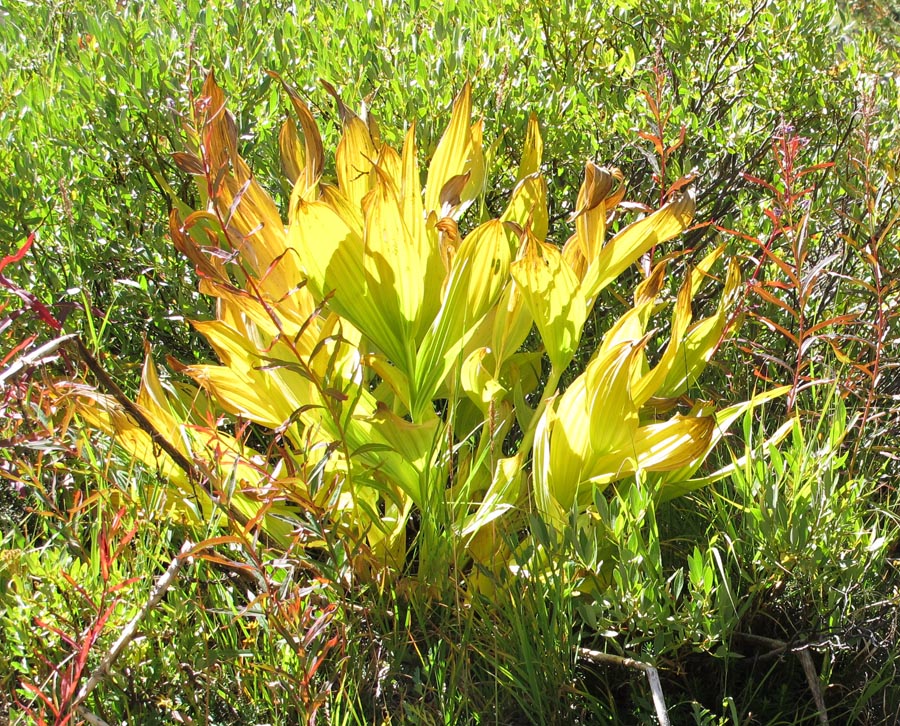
[(189, 163)]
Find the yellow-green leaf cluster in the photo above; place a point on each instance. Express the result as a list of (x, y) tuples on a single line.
[(381, 342)]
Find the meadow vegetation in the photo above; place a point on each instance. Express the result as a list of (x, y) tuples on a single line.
[(463, 362)]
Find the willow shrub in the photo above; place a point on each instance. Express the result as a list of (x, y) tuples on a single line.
[(378, 351)]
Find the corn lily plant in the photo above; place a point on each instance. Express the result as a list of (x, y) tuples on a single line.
[(382, 348)]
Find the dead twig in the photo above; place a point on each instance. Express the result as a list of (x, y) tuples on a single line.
[(130, 630), (801, 650), (652, 674)]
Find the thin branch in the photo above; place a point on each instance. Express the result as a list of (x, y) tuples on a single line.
[(652, 674), (801, 650), (181, 461), (815, 685), (131, 629), (91, 718)]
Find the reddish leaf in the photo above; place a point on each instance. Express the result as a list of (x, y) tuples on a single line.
[(774, 299), (21, 346), (81, 591), (772, 325), (29, 686), (189, 163), (657, 142), (212, 542), (19, 254), (816, 167), (760, 182), (784, 266), (124, 541), (32, 303), (845, 319), (53, 629), (681, 183)]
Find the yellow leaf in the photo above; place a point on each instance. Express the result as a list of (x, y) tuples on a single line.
[(533, 151), (649, 383), (314, 152), (395, 379), (354, 158), (528, 206), (478, 380), (423, 239), (610, 409), (479, 272), (293, 159), (676, 483), (391, 164), (335, 258), (415, 442), (512, 322), (553, 295), (600, 183), (636, 239), (663, 446), (545, 482), (394, 263), (697, 344), (459, 152)]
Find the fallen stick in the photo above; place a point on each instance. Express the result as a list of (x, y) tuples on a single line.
[(809, 669), (652, 674), (130, 630)]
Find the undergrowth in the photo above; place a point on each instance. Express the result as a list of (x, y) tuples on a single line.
[(768, 597)]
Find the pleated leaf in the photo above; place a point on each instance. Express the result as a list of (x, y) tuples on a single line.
[(459, 154), (636, 239), (553, 296), (479, 272)]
